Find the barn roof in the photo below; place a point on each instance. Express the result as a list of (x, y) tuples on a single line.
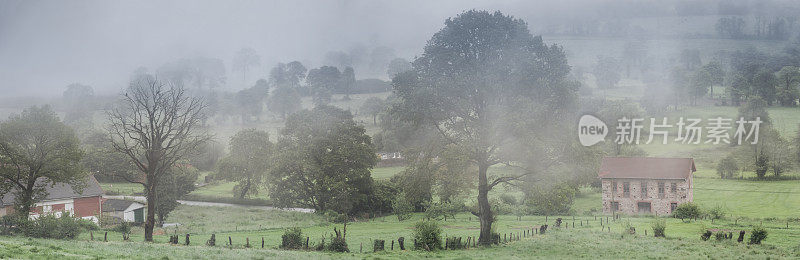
[(60, 191), (646, 168)]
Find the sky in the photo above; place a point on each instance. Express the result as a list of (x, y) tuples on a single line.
[(47, 45)]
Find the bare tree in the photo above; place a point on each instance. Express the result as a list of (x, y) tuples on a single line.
[(155, 126)]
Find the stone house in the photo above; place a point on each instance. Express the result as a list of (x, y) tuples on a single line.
[(639, 185)]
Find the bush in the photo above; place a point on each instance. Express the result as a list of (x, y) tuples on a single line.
[(335, 217), (292, 238), (50, 226), (402, 207), (338, 244), (687, 211), (757, 235), (427, 236), (659, 225), (716, 213), (123, 227)]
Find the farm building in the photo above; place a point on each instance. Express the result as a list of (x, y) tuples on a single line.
[(62, 198), (645, 185), (124, 210)]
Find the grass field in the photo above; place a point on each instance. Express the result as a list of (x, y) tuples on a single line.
[(585, 240)]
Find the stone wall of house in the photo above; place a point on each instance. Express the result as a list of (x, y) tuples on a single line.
[(660, 203)]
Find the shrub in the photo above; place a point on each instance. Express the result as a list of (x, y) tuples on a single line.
[(334, 216), (659, 225), (123, 227), (757, 235), (50, 226), (337, 244), (716, 212), (292, 238), (687, 211), (427, 236), (402, 207)]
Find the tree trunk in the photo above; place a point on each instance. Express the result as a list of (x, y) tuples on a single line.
[(25, 203), (245, 189), (484, 208), (151, 210)]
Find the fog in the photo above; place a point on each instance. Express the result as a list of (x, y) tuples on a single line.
[(46, 45)]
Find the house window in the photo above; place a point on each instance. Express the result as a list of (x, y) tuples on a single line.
[(614, 206), (644, 207), (661, 190), (626, 189), (673, 206), (614, 186), (644, 189), (673, 187)]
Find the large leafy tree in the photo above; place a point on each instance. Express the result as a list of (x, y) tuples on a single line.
[(36, 150), (156, 126), (493, 91), (325, 163), (347, 82), (248, 161), (323, 81), (287, 74)]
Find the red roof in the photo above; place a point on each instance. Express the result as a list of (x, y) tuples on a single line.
[(646, 168)]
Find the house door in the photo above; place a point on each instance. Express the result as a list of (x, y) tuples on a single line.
[(644, 207), (138, 215), (673, 206)]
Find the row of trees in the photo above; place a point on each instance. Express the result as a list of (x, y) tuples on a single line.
[(770, 28)]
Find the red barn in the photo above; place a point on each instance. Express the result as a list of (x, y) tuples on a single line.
[(62, 198)]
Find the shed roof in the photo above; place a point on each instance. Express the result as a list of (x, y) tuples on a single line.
[(60, 191), (111, 205), (646, 168)]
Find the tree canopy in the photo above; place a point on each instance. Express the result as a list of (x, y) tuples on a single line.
[(248, 161), (325, 162), (37, 150)]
